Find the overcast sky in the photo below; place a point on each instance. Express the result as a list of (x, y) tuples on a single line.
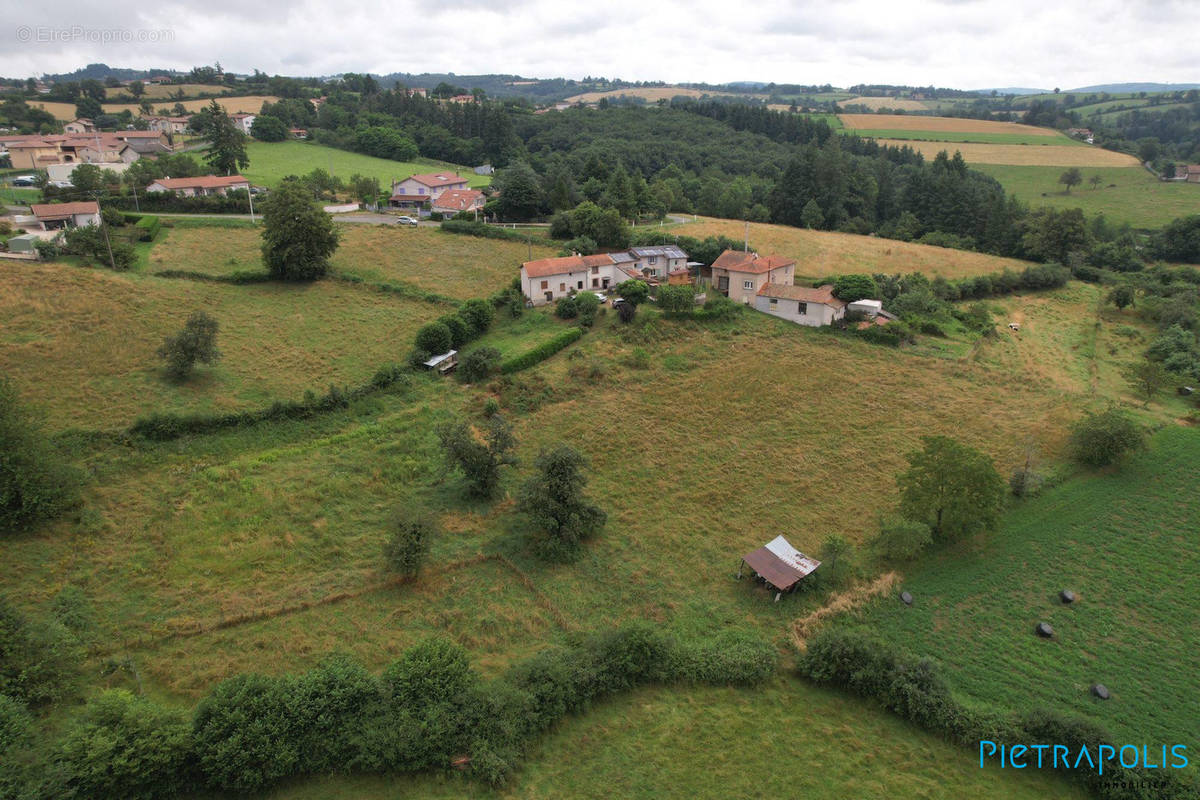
[(956, 43)]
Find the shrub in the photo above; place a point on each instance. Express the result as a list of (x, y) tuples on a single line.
[(328, 705), (197, 342), (15, 724), (554, 502), (1101, 439), (565, 308), (677, 300), (408, 545), (720, 308), (148, 228), (478, 364), (35, 482), (586, 307), (433, 671), (900, 539), (478, 459), (127, 747), (850, 288), (460, 332), (733, 658), (245, 734), (37, 658), (434, 338), (478, 314), (541, 352)]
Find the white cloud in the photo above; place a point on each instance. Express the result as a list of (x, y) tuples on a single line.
[(958, 43)]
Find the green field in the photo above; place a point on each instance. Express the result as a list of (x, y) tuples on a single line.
[(961, 136), (1125, 543), (1126, 194), (258, 549), (788, 740), (271, 161)]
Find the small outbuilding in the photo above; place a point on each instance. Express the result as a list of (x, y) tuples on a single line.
[(25, 243), (780, 565), (445, 363)]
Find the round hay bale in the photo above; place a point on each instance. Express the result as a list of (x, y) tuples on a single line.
[(1100, 691), (1067, 596), (1044, 630), (906, 598)]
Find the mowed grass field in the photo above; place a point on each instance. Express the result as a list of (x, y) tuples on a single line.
[(251, 104), (1125, 194), (158, 91), (651, 94), (897, 103), (271, 161), (1125, 542), (785, 740), (455, 266), (923, 124), (1055, 155), (85, 349), (823, 253)]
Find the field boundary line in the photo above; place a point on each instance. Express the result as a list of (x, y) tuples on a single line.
[(840, 603)]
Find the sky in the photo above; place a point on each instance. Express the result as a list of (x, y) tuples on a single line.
[(965, 44)]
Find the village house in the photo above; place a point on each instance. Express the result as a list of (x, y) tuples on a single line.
[(658, 262), (548, 279), (416, 190), (169, 125), (800, 304), (203, 186), (39, 152), (739, 275), (66, 215), (81, 125), (243, 121), (455, 201)]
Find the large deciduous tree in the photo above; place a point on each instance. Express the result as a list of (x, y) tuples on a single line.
[(952, 488), (298, 237), (554, 501)]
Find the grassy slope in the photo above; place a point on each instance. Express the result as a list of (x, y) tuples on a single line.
[(87, 353), (822, 253), (270, 161), (1125, 543), (250, 104), (457, 266), (957, 136), (1137, 196), (787, 740), (1056, 152)]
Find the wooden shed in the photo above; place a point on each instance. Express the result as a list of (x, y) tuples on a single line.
[(445, 363), (780, 565)]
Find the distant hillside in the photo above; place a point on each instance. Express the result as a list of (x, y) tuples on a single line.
[(101, 71), (1114, 88), (1017, 90)]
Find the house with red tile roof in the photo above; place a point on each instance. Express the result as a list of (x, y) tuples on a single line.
[(416, 190), (66, 215), (456, 201), (549, 279), (201, 186), (739, 274)]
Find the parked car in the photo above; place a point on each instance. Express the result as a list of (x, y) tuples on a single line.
[(405, 221), (23, 180), (617, 302), (601, 296)]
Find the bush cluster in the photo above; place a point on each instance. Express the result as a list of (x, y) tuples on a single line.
[(541, 352), (425, 711), (452, 331), (482, 230), (164, 427)]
